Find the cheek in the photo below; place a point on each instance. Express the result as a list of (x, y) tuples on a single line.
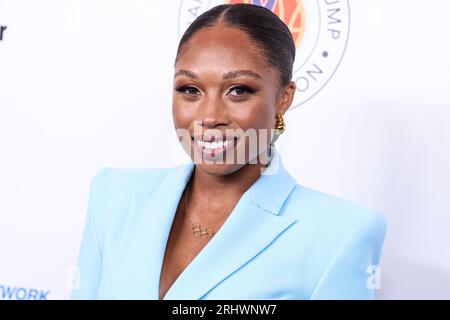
[(256, 114), (181, 114)]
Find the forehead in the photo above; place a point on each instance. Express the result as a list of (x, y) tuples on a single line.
[(221, 49)]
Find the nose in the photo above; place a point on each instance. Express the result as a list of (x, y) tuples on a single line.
[(212, 112)]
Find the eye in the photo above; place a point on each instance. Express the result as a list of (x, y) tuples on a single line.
[(240, 91), (188, 90)]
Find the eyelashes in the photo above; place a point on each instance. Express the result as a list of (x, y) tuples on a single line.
[(242, 89), (189, 90), (235, 91)]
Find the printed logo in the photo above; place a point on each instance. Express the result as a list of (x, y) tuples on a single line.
[(320, 29), (21, 293), (2, 32)]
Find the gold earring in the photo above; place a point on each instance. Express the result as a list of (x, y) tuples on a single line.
[(280, 126)]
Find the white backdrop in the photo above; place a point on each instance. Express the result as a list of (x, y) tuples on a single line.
[(88, 84)]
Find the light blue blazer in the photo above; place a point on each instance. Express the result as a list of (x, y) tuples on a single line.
[(281, 241)]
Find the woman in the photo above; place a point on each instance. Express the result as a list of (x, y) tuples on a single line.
[(231, 224)]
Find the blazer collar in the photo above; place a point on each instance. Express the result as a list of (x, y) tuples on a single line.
[(252, 226)]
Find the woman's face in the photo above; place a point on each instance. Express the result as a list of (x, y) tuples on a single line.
[(225, 99)]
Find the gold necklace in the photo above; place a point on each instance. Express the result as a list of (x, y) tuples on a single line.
[(197, 229)]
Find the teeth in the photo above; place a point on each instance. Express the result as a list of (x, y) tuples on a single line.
[(213, 145)]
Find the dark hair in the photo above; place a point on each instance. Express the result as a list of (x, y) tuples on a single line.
[(262, 25)]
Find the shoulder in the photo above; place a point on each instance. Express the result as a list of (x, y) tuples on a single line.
[(324, 209), (333, 222), (329, 207), (118, 180), (111, 190), (111, 187)]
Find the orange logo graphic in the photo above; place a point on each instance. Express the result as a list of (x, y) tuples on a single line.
[(290, 11)]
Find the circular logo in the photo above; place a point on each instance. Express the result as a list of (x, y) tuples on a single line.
[(320, 30)]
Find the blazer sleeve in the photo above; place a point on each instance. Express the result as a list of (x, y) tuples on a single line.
[(89, 261), (354, 272)]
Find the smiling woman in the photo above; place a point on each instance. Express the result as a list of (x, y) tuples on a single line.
[(233, 223)]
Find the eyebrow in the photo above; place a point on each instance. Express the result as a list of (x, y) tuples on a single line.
[(226, 76)]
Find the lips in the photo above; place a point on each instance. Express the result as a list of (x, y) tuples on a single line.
[(213, 146)]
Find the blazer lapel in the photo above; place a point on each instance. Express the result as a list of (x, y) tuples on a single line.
[(250, 228), (142, 245)]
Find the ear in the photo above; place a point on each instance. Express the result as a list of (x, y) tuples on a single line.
[(286, 97)]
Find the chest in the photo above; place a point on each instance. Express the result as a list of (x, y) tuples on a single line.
[(182, 247)]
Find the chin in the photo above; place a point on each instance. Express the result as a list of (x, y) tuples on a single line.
[(219, 169)]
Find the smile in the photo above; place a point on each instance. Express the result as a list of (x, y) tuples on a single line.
[(213, 147)]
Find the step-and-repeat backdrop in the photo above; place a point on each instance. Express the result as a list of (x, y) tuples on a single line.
[(88, 84)]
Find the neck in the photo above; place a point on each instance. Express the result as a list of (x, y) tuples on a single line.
[(213, 197), (229, 185)]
